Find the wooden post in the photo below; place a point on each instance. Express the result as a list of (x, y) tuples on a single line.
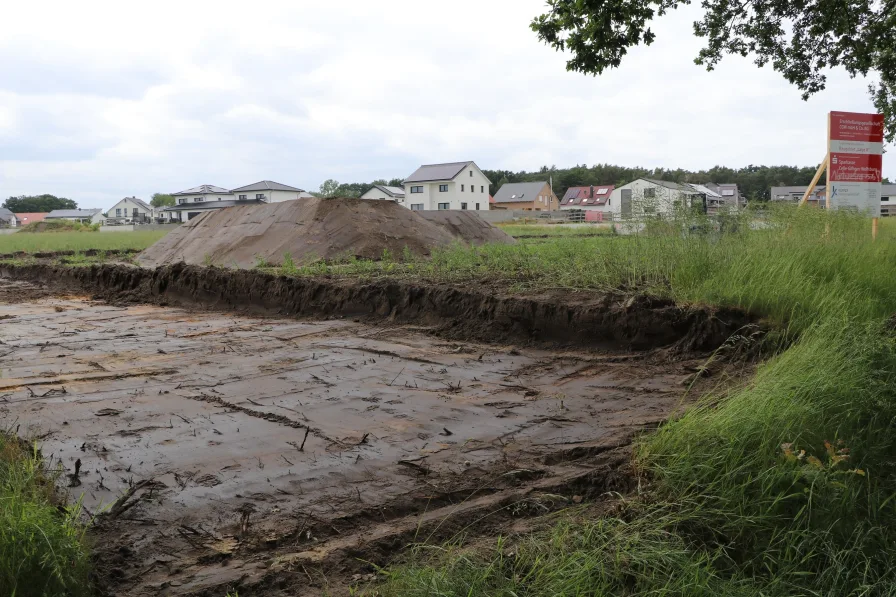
[(827, 178), (874, 228), (821, 168)]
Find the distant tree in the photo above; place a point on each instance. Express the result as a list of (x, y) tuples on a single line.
[(162, 200), (801, 39), (328, 188), (38, 203)]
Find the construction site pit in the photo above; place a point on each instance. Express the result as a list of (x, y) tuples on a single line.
[(219, 449)]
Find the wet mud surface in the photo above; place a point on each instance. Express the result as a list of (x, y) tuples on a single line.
[(284, 456)]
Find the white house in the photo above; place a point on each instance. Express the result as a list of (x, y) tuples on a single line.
[(85, 216), (269, 192), (8, 219), (383, 192), (647, 197), (130, 210), (458, 185)]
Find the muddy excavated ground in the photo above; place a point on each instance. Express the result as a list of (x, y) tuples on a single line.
[(287, 457)]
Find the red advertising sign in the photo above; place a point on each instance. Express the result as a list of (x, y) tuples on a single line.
[(852, 126), (849, 167)]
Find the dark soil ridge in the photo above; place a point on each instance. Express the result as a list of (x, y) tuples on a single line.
[(599, 320), (55, 254)]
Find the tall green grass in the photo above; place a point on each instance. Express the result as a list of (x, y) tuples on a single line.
[(39, 242), (42, 548), (784, 487)]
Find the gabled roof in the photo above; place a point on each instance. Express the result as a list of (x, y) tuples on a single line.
[(434, 172), (267, 185), (675, 186), (72, 213), (203, 190), (139, 202), (710, 194), (7, 215), (206, 205), (396, 192), (584, 196), (31, 218), (514, 192)]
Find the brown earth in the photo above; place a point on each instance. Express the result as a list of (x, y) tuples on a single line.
[(313, 229), (230, 445), (483, 313)]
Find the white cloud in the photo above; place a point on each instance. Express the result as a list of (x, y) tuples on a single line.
[(99, 99)]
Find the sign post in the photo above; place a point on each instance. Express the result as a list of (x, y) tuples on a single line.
[(855, 163)]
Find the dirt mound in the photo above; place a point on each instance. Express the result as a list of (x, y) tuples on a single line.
[(58, 226), (309, 230), (467, 226)]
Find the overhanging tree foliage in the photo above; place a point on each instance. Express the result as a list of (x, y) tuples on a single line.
[(38, 203), (801, 39)]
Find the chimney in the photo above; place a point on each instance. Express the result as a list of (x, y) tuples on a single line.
[(592, 192)]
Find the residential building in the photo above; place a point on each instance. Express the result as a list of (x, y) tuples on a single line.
[(456, 185), (715, 203), (646, 197), (887, 200), (590, 198), (8, 219), (130, 210), (84, 216), (383, 192), (268, 191), (731, 195), (527, 196), (793, 193), (31, 218)]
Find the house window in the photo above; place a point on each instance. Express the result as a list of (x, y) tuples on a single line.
[(477, 207), (416, 189), (461, 188), (650, 193), (443, 188), (136, 213), (443, 205), (198, 200), (416, 206), (117, 213), (471, 174), (243, 197), (259, 196), (463, 206), (181, 201), (482, 189)]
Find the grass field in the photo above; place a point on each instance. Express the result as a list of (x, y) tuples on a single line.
[(784, 487), (42, 549), (77, 241)]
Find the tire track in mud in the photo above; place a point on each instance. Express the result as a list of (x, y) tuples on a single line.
[(270, 417)]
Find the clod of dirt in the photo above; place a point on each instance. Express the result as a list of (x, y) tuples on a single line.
[(311, 229)]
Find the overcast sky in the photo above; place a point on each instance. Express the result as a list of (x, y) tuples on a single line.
[(104, 100)]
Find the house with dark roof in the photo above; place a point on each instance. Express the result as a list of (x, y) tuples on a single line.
[(269, 191), (84, 216), (193, 202), (454, 185), (527, 196), (590, 198), (8, 219), (385, 193), (130, 210)]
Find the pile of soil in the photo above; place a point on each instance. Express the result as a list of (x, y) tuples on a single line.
[(313, 229)]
